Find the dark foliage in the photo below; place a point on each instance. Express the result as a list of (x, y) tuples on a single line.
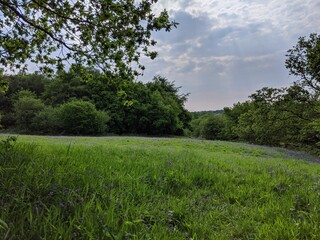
[(93, 103)]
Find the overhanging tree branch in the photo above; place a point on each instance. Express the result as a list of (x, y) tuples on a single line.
[(110, 34), (31, 23)]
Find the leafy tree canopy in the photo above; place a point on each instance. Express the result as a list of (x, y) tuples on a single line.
[(109, 34), (303, 61)]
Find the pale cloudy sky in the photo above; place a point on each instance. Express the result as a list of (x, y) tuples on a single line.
[(224, 50)]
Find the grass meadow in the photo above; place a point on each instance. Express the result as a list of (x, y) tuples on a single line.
[(140, 188)]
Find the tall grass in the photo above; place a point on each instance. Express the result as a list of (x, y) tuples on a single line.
[(138, 188)]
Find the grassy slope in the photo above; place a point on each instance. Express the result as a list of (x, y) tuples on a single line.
[(138, 188)]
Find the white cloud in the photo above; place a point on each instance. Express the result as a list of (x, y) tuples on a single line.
[(223, 51)]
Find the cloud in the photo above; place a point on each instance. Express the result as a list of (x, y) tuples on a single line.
[(189, 27), (223, 51)]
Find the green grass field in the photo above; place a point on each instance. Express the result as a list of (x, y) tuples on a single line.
[(140, 188)]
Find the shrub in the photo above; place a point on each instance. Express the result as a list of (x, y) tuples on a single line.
[(46, 121), (8, 120), (81, 117), (213, 127), (25, 109), (210, 126)]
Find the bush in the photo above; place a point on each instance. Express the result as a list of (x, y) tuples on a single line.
[(25, 109), (8, 120), (46, 121), (212, 128), (80, 117)]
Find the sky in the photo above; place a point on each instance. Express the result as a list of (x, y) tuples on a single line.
[(225, 50)]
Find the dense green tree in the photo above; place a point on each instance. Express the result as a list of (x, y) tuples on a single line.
[(81, 118), (162, 115), (4, 85), (108, 34), (65, 86), (232, 117), (130, 109), (47, 121), (164, 86), (211, 126), (8, 120), (303, 61), (141, 108), (277, 117), (27, 86), (297, 109), (167, 112), (260, 123), (6, 103), (133, 107), (34, 82), (26, 107)]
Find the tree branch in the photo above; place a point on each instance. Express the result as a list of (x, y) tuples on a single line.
[(78, 20), (31, 23)]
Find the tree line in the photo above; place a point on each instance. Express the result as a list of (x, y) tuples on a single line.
[(84, 101)]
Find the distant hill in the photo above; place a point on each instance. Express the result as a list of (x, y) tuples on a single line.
[(208, 112)]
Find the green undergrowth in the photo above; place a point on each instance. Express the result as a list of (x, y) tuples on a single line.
[(139, 188)]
